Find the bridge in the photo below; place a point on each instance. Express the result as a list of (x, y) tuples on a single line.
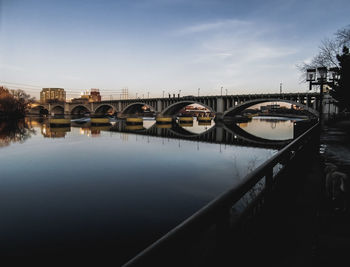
[(221, 106)]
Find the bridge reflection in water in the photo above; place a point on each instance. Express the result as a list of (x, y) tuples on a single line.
[(122, 190), (272, 133)]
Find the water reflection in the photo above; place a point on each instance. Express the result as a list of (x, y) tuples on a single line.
[(15, 131), (117, 192), (54, 132), (197, 127), (259, 132), (270, 128)]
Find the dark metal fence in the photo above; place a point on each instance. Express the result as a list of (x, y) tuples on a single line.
[(219, 217)]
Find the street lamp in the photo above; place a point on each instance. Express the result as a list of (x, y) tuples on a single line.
[(334, 74), (221, 90), (198, 91), (310, 75), (319, 77)]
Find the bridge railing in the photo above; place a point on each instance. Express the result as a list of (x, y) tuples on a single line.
[(218, 216)]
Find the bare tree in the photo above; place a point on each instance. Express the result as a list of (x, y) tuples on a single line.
[(14, 103), (329, 49)]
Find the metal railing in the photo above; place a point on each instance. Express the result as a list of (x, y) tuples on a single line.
[(218, 213)]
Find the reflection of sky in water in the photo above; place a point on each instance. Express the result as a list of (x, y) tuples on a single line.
[(197, 128), (147, 123), (268, 128), (125, 184)]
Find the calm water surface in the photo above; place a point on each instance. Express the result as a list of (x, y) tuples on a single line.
[(109, 191)]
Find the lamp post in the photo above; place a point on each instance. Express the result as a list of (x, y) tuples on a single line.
[(221, 90), (198, 91), (320, 77)]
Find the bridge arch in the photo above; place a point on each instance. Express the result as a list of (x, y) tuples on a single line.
[(238, 132), (239, 108), (105, 109), (57, 110), (184, 133), (39, 110), (134, 107), (173, 109), (79, 110)]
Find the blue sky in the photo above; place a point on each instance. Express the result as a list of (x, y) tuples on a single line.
[(151, 46)]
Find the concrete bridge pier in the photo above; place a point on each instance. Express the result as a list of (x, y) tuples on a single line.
[(219, 109), (219, 134), (159, 107), (219, 117), (66, 109)]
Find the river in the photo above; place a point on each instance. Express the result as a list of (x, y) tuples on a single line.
[(107, 192)]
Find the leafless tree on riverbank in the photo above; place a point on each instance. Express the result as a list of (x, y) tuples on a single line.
[(329, 49)]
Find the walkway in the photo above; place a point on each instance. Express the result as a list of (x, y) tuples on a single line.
[(304, 227)]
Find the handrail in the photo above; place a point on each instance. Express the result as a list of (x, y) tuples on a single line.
[(220, 207)]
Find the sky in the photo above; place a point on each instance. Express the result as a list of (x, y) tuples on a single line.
[(152, 46)]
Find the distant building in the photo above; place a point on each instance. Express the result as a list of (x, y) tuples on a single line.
[(92, 96), (80, 100), (269, 108), (48, 95)]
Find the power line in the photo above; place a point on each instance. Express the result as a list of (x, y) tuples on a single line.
[(67, 91), (23, 85)]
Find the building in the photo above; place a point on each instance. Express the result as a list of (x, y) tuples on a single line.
[(269, 108), (48, 95), (80, 100), (93, 96)]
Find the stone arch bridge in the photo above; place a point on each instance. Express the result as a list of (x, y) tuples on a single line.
[(229, 105)]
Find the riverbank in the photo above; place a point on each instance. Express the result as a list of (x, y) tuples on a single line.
[(333, 240), (307, 222)]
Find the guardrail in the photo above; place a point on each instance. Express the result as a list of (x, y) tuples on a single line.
[(218, 214)]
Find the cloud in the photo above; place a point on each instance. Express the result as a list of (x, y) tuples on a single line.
[(210, 26), (239, 54)]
